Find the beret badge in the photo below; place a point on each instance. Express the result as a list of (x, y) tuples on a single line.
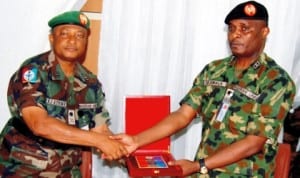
[(70, 17), (83, 19), (249, 10)]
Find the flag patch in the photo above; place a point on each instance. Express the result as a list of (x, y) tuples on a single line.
[(29, 75)]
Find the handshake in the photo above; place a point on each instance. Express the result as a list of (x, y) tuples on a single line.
[(163, 163), (114, 147)]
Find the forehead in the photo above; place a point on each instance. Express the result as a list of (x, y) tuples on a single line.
[(249, 22), (69, 27)]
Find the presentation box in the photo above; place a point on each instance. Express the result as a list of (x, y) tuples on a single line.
[(142, 112)]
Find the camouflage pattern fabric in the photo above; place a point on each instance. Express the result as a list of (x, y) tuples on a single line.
[(77, 101), (262, 96)]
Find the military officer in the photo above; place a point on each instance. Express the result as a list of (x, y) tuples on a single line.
[(242, 100), (57, 108)]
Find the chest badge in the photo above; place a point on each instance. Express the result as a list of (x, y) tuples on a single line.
[(225, 105)]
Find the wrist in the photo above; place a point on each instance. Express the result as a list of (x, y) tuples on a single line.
[(136, 142), (202, 166)]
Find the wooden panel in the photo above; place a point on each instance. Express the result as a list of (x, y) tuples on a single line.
[(93, 6), (91, 60), (86, 164)]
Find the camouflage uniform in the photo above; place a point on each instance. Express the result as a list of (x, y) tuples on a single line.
[(262, 96), (77, 101)]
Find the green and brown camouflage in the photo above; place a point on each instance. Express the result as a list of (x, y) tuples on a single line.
[(77, 101), (263, 95)]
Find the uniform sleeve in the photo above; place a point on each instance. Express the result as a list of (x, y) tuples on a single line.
[(25, 88), (193, 97)]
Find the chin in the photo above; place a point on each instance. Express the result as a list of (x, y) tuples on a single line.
[(237, 53), (71, 56)]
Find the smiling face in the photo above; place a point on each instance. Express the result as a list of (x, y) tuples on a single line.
[(247, 37), (69, 42)]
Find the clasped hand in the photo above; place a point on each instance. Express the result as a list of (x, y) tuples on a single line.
[(117, 146), (130, 143)]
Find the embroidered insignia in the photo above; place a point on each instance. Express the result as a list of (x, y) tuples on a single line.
[(87, 106), (83, 19), (215, 83), (256, 65), (238, 88), (250, 10), (29, 75), (56, 102)]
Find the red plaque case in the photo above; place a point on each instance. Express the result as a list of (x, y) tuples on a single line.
[(142, 112)]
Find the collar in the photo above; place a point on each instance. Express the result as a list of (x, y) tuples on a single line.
[(256, 64), (58, 74)]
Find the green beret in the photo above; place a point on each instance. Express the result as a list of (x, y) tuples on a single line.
[(248, 10), (70, 17)]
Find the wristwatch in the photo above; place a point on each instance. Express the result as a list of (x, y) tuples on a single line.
[(203, 168)]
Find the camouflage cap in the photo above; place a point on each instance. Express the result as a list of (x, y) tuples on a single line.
[(70, 17), (248, 10)]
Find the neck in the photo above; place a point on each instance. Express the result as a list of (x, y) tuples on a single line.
[(67, 67), (242, 63)]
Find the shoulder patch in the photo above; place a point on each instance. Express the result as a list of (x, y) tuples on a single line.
[(29, 75)]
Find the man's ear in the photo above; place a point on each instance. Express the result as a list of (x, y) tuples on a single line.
[(50, 37), (266, 31)]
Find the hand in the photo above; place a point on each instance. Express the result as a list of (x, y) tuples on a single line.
[(188, 167), (128, 141), (112, 149)]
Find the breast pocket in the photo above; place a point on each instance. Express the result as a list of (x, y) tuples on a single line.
[(211, 102), (56, 108)]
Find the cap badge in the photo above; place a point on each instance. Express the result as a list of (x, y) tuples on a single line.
[(250, 10), (83, 19)]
